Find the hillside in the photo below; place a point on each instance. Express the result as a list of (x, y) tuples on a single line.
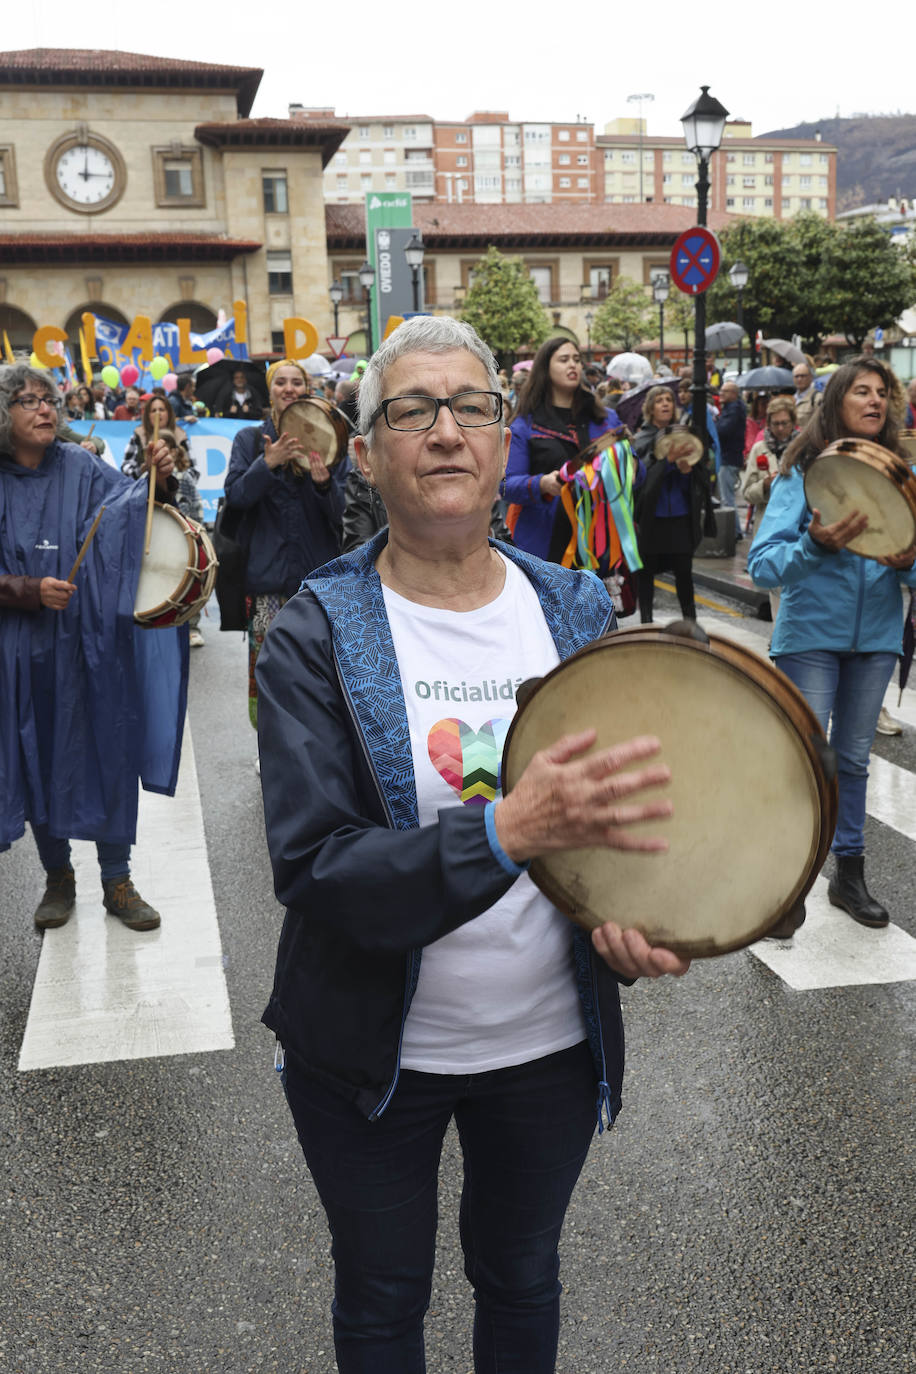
[(876, 155)]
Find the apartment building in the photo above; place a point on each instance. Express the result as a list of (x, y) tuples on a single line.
[(776, 178), (381, 153)]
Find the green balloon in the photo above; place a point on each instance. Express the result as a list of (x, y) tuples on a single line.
[(159, 367), (110, 376)]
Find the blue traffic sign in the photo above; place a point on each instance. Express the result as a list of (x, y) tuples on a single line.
[(695, 260)]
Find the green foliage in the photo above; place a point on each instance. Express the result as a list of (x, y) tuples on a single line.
[(680, 318), (624, 317), (866, 282), (502, 304)]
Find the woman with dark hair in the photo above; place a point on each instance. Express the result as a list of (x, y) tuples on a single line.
[(673, 506), (556, 417), (156, 408), (839, 628)]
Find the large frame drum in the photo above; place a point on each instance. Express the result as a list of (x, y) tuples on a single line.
[(753, 787), (178, 574), (857, 474)]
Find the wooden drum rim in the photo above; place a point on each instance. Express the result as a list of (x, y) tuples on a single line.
[(889, 465), (332, 414)]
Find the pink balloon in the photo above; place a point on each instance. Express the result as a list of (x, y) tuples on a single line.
[(169, 381), (214, 355), (130, 375)]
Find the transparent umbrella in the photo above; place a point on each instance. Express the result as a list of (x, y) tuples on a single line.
[(629, 367)]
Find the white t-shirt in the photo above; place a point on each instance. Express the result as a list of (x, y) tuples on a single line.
[(501, 989)]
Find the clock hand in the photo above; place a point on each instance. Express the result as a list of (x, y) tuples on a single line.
[(85, 172)]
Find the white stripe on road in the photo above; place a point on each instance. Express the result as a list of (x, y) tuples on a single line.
[(103, 992)]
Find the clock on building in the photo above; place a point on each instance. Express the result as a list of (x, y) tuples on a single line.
[(85, 172)]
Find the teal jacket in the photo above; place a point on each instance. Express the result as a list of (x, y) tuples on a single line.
[(832, 601)]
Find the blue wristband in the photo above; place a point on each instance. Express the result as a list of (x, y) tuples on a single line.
[(499, 854)]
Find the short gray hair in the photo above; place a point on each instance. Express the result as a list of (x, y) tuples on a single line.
[(423, 334), (13, 380)]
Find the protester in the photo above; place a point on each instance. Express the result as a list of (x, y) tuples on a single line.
[(807, 396), (839, 628), (183, 398), (421, 976), (730, 427), (157, 410), (242, 404), (92, 702), (291, 506), (129, 409), (763, 465)]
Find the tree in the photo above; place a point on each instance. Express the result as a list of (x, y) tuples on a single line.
[(680, 314), (624, 317), (865, 281), (503, 305), (770, 299)]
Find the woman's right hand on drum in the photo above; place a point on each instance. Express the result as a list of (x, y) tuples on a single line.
[(551, 484), (836, 536), (283, 451), (564, 800)]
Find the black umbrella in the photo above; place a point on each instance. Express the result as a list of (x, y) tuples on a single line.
[(214, 383), (909, 643)]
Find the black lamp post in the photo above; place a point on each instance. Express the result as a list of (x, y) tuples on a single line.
[(661, 286), (367, 281), (336, 292), (413, 252), (738, 276), (589, 317), (703, 124)]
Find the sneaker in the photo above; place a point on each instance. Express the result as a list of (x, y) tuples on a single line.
[(124, 901), (195, 639), (59, 900), (886, 723)]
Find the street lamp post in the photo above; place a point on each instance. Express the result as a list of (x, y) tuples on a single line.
[(367, 281), (703, 124), (660, 289), (589, 317), (638, 101), (336, 292), (413, 252), (738, 276)]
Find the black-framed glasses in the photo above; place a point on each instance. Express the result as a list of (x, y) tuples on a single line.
[(32, 402), (471, 409)]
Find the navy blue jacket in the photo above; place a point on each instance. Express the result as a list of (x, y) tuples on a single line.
[(364, 885), (730, 427), (289, 527)]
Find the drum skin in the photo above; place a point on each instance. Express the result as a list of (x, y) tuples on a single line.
[(856, 474), (178, 574), (319, 426), (754, 807)]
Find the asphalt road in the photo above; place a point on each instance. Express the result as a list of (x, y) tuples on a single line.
[(751, 1213)]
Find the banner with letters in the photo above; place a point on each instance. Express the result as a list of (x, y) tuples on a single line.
[(210, 442)]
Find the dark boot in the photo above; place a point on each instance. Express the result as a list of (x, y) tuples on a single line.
[(787, 925), (124, 901), (59, 900), (847, 890)]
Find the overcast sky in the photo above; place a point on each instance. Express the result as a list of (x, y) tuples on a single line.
[(536, 60)]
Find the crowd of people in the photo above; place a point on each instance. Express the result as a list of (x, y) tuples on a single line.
[(402, 865)]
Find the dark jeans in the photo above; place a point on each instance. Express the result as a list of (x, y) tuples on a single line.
[(681, 564), (524, 1132), (114, 859)]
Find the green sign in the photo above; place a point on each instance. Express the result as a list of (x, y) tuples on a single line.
[(384, 210)]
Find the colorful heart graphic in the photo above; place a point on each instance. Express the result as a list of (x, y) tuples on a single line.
[(469, 760)]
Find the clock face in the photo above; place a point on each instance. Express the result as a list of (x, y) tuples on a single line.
[(85, 175)]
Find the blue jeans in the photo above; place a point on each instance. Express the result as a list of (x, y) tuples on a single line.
[(524, 1132), (850, 688), (728, 488), (114, 859)]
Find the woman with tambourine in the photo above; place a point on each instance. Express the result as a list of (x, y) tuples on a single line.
[(566, 506), (291, 506), (839, 628)]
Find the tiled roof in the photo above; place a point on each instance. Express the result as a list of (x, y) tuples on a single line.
[(456, 226), (98, 66), (19, 248), (325, 134)]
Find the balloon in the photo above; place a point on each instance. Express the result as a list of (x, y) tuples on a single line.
[(158, 368), (35, 361), (110, 376), (130, 375), (169, 382), (214, 355)]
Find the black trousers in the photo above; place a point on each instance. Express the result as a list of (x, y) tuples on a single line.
[(681, 564)]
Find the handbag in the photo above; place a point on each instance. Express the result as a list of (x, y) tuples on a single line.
[(232, 552)]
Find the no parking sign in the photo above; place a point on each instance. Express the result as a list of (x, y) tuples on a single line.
[(695, 260)]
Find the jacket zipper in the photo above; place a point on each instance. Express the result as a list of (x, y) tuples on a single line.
[(860, 601), (603, 1105), (413, 957)]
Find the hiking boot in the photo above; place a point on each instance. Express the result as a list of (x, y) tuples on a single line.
[(59, 900), (847, 890), (124, 901), (787, 925)]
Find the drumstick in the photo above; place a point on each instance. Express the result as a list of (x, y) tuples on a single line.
[(86, 542), (91, 428), (152, 488)]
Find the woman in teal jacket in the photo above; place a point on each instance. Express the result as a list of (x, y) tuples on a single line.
[(840, 624)]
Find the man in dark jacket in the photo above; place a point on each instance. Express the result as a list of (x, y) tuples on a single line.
[(730, 427)]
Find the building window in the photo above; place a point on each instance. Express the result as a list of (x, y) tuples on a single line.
[(628, 200), (822, 181), (276, 201), (768, 181), (365, 180), (686, 179), (768, 203), (666, 157), (410, 131), (391, 180), (365, 157), (805, 203), (823, 204), (749, 181), (365, 131), (804, 159), (543, 280), (823, 158), (748, 202), (9, 194), (627, 155), (461, 161), (483, 183), (461, 136), (565, 181), (277, 341), (563, 135), (749, 159), (729, 181), (582, 182), (513, 159), (387, 131), (768, 157), (178, 176), (687, 159), (343, 181), (340, 157), (787, 183), (729, 202), (730, 157), (582, 135), (389, 157), (280, 274), (582, 159), (563, 159), (804, 181)]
